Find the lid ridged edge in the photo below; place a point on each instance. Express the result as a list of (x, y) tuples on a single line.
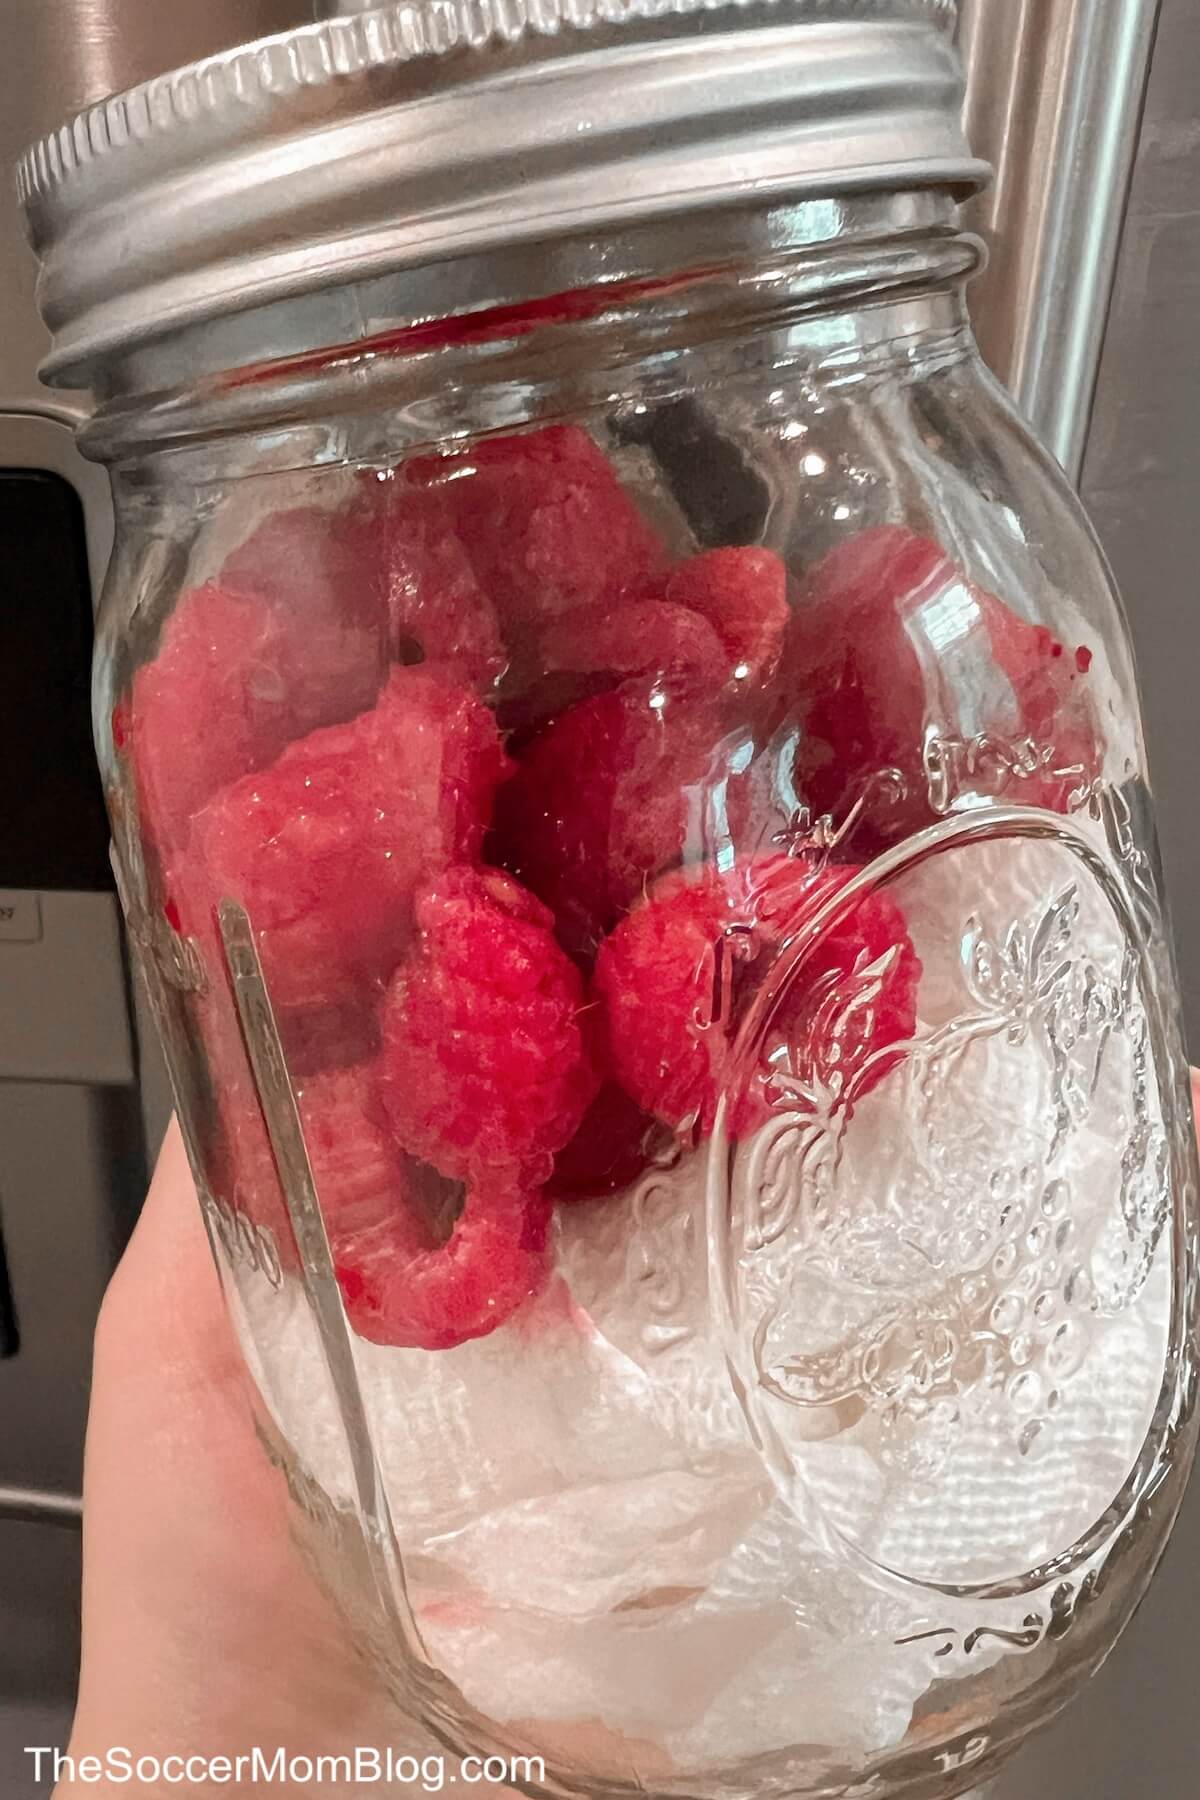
[(352, 46)]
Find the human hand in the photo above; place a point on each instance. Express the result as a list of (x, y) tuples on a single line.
[(203, 1631)]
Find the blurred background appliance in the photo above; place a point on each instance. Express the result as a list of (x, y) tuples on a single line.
[(83, 1100), (1086, 310)]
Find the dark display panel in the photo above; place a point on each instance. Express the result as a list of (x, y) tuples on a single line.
[(53, 830)]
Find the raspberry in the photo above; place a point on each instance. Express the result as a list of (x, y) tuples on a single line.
[(236, 678), (485, 1061), (405, 1278), (325, 848), (437, 610), (589, 653), (328, 1036), (614, 1143), (636, 637), (390, 556), (495, 1258), (309, 561), (675, 980), (912, 668), (619, 788), (360, 1179), (742, 592), (546, 523)]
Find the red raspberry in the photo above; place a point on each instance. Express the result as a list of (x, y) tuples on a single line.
[(546, 523), (310, 561), (329, 1036), (361, 1180), (495, 1258), (675, 980), (589, 653), (391, 556), (742, 592), (437, 610), (911, 667), (619, 788), (636, 637), (614, 1143), (406, 1278), (325, 849), (236, 678), (485, 1062)]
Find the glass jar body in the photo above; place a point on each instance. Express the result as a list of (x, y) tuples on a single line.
[(634, 816)]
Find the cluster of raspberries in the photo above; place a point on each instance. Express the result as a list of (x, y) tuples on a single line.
[(511, 798)]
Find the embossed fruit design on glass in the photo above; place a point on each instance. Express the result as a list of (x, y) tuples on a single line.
[(628, 795)]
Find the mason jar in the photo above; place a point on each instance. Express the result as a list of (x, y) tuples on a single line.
[(629, 801)]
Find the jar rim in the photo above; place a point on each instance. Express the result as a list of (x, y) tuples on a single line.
[(413, 134), (500, 361)]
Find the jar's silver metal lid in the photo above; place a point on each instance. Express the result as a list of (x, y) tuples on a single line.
[(415, 133)]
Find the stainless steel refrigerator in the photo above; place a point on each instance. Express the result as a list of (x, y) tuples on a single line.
[(1091, 109)]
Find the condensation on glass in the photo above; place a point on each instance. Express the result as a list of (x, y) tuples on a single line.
[(627, 789)]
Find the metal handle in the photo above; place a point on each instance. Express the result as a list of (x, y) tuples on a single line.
[(39, 1506), (1054, 101)]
